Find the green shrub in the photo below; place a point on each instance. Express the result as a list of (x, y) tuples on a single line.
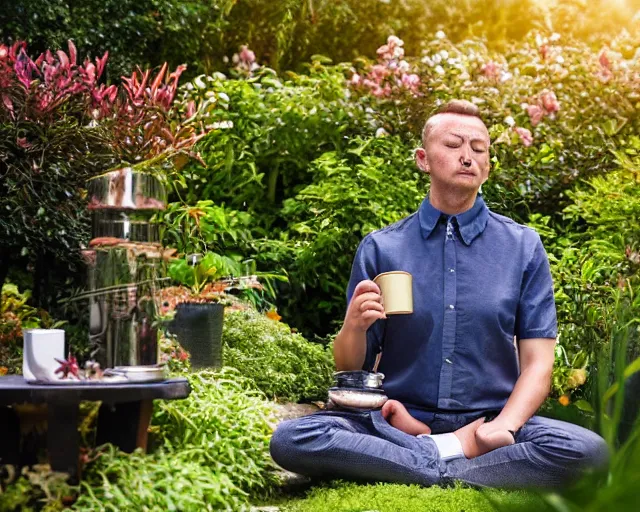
[(270, 129), (593, 249), (287, 33), (372, 184), (282, 364), (211, 453), (586, 102)]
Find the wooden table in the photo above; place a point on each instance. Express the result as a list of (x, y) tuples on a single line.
[(123, 419)]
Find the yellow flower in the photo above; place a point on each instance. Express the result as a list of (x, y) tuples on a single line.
[(577, 378), (273, 315), (564, 400), (3, 370)]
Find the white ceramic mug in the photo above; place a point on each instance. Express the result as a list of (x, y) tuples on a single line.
[(41, 349)]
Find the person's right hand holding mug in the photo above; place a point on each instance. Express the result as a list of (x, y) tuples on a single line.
[(365, 306)]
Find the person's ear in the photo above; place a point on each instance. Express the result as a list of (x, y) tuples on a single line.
[(421, 160)]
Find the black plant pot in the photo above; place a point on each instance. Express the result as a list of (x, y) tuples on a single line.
[(199, 330)]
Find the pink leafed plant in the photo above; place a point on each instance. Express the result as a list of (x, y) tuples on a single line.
[(37, 87), (140, 117), (144, 121)]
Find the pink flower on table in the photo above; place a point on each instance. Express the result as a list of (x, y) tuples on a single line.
[(490, 69), (525, 136), (535, 114), (549, 102)]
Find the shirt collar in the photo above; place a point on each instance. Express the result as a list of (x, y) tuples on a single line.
[(470, 223)]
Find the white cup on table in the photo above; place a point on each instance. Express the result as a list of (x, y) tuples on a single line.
[(40, 350)]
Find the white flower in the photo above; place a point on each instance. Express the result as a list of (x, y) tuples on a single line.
[(437, 58), (222, 125), (223, 96), (554, 37), (509, 121), (381, 132), (426, 60), (440, 34), (445, 54), (403, 66), (439, 70), (559, 59), (504, 76)]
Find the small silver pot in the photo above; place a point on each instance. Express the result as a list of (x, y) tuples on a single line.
[(359, 379)]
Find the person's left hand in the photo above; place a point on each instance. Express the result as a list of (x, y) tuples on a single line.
[(493, 435)]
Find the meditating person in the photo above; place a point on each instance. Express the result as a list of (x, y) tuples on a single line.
[(478, 346)]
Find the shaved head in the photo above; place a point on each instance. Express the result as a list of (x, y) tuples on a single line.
[(459, 107)]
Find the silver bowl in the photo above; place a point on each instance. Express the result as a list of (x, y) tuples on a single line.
[(359, 379), (143, 373)]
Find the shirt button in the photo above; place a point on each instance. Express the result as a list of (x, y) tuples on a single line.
[(448, 361), (451, 306), (452, 270)]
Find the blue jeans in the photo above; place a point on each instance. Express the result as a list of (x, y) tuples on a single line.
[(363, 446)]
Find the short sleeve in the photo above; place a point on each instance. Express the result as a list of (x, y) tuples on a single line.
[(536, 315), (365, 267)]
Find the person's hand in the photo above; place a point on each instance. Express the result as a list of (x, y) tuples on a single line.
[(365, 307), (493, 435)]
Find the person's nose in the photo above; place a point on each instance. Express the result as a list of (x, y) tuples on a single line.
[(465, 157)]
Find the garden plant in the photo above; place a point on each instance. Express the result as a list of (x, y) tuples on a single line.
[(284, 133)]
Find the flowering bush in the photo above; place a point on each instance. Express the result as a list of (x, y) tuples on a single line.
[(554, 111), (390, 73)]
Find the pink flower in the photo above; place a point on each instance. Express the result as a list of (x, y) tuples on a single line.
[(247, 55), (549, 102), (606, 71), (411, 81), (383, 50), (491, 69), (535, 114), (394, 41), (356, 79), (603, 59), (525, 136), (379, 72), (544, 51)]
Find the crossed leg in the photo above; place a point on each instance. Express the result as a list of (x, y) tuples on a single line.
[(397, 415)]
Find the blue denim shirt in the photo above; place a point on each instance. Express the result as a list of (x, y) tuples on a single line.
[(479, 280)]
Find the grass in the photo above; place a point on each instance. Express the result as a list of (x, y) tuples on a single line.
[(351, 497)]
